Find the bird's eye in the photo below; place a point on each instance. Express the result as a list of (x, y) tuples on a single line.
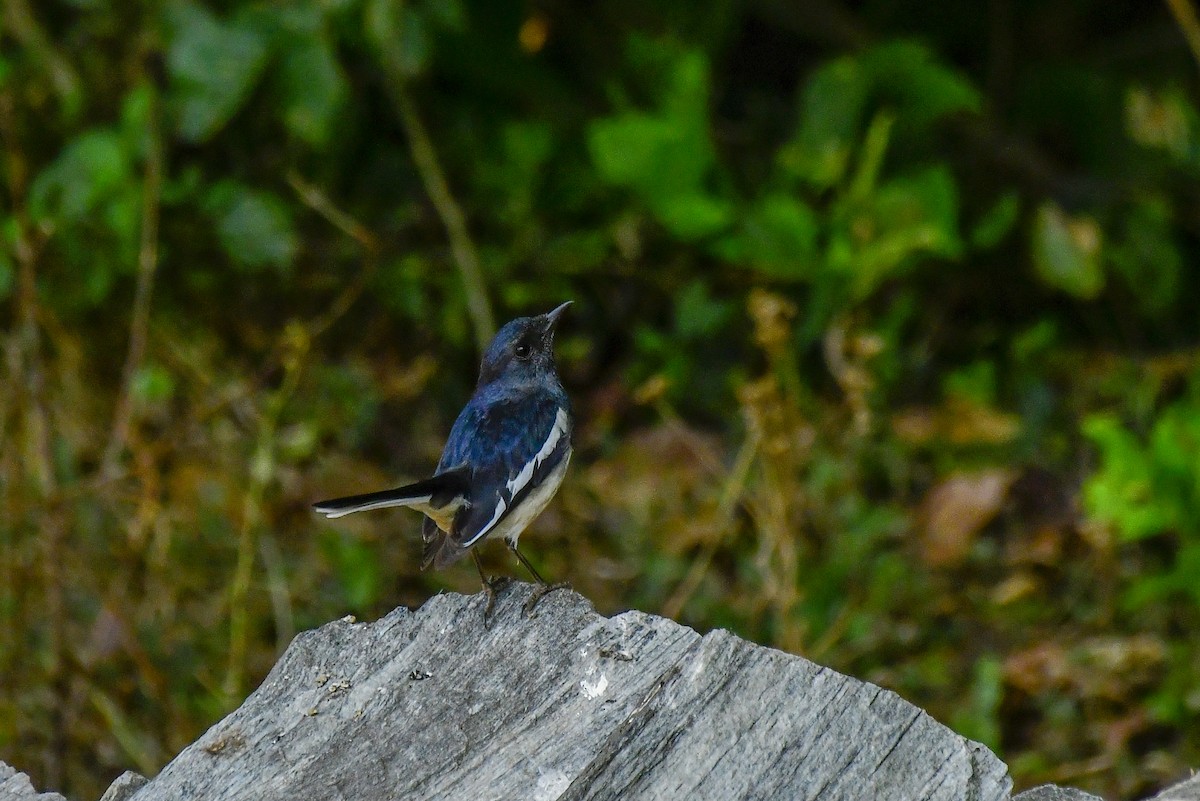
[(522, 351)]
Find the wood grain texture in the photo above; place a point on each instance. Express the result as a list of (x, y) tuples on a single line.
[(15, 786), (566, 705)]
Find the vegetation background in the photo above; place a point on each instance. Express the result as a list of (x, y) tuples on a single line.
[(885, 343)]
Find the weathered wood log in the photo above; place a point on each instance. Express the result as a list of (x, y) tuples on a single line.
[(564, 705), (16, 787)]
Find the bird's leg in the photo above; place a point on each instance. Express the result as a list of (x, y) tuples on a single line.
[(543, 587), (491, 585)]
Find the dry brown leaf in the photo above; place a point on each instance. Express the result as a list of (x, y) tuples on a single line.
[(956, 509)]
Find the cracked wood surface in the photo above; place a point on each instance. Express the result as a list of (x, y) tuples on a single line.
[(566, 705), (430, 704)]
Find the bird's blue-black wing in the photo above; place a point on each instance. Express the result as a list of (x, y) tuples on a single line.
[(511, 443)]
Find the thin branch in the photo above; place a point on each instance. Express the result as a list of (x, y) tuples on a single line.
[(318, 201), (465, 255), (1185, 17), (147, 268), (25, 29)]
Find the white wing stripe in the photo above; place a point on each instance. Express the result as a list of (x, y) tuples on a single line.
[(518, 482), (500, 508)]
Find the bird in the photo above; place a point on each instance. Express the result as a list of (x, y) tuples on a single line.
[(504, 459)]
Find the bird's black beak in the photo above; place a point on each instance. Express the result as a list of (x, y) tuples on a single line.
[(551, 319)]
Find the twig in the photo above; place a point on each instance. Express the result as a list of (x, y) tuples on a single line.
[(1185, 17), (24, 28), (147, 267), (319, 202), (262, 464), (465, 255), (33, 427), (734, 489)]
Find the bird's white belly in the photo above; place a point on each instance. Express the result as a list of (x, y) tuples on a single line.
[(510, 528)]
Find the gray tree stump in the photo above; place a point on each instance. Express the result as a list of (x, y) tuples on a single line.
[(566, 705), (430, 704), (16, 787)]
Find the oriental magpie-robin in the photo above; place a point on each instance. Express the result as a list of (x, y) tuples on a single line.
[(503, 461)]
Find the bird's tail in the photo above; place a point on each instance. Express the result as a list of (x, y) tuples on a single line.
[(443, 493), (440, 549)]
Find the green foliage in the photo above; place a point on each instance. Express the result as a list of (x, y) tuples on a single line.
[(253, 226), (213, 65), (855, 309), (1143, 488), (667, 157), (1148, 487), (1067, 251)]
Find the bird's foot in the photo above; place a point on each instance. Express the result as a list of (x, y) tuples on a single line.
[(541, 591), (491, 587)]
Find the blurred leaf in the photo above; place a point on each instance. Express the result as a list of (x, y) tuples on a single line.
[(7, 275), (666, 157), (779, 236), (831, 112), (213, 66), (1161, 120), (997, 222), (254, 226), (135, 118), (1147, 256), (356, 567), (908, 73), (626, 148), (399, 34), (152, 383), (1066, 251), (956, 509), (694, 216), (698, 314), (1121, 492), (88, 172), (975, 382), (906, 217), (314, 89), (980, 719)]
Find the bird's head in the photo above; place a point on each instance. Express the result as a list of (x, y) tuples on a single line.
[(523, 348)]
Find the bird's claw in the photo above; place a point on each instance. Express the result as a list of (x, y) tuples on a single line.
[(541, 591), (491, 587)]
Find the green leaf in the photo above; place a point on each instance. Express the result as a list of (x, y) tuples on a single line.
[(698, 314), (400, 36), (1121, 492), (908, 75), (8, 275), (997, 222), (1148, 257), (314, 89), (831, 113), (213, 66), (666, 157), (152, 383), (693, 216), (979, 719), (89, 171), (779, 236), (254, 226), (1066, 251), (627, 148), (905, 218)]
